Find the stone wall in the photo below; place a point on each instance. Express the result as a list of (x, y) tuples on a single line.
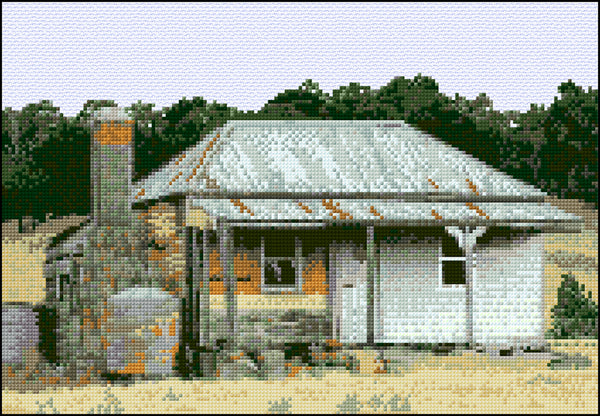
[(260, 329), (142, 332), (165, 247)]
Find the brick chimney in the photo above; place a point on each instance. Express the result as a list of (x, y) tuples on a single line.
[(112, 166)]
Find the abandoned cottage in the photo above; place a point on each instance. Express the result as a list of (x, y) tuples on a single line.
[(267, 233)]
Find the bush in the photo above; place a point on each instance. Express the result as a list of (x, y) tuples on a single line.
[(575, 315)]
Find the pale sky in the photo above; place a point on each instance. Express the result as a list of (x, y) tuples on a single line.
[(243, 54)]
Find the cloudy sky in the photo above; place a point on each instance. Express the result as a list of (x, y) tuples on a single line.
[(243, 54)]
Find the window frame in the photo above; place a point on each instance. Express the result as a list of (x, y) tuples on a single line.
[(297, 264), (441, 261)]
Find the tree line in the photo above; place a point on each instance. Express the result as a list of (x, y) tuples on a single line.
[(46, 155)]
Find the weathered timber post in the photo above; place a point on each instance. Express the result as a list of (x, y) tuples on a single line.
[(225, 241), (467, 239), (371, 269), (468, 248), (205, 290), (183, 233)]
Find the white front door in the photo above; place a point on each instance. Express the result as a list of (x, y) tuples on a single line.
[(351, 275)]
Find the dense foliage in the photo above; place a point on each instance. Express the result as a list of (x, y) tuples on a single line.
[(45, 155), (575, 314)]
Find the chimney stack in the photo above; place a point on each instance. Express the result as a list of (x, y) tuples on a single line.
[(112, 166)]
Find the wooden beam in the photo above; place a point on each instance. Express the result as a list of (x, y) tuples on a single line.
[(226, 246), (205, 290), (469, 241), (435, 196), (333, 303), (377, 296), (182, 234), (469, 291), (187, 302), (195, 284), (73, 280), (371, 268), (299, 263)]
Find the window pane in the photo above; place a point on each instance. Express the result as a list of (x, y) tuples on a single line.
[(280, 273), (453, 272), (272, 273)]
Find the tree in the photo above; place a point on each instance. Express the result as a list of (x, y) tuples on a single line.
[(160, 135), (352, 102), (92, 106), (569, 156), (307, 101), (575, 315), (45, 156), (393, 96), (65, 160), (149, 126), (25, 184)]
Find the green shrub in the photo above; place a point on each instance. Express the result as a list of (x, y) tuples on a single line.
[(575, 314)]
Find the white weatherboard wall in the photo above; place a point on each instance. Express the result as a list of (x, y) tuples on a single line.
[(414, 307), (508, 292)]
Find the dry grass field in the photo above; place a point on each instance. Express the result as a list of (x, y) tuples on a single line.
[(473, 383), (564, 381), (23, 259)]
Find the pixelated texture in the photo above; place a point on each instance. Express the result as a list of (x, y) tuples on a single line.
[(364, 251)]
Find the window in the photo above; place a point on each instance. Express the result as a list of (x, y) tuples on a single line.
[(280, 273), (281, 261), (453, 272), (246, 243), (215, 273), (452, 262)]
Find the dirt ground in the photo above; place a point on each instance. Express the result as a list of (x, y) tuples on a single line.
[(565, 381)]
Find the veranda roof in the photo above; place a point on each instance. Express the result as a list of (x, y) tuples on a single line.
[(381, 211)]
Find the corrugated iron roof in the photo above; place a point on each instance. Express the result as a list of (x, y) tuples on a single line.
[(379, 211), (356, 159)]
